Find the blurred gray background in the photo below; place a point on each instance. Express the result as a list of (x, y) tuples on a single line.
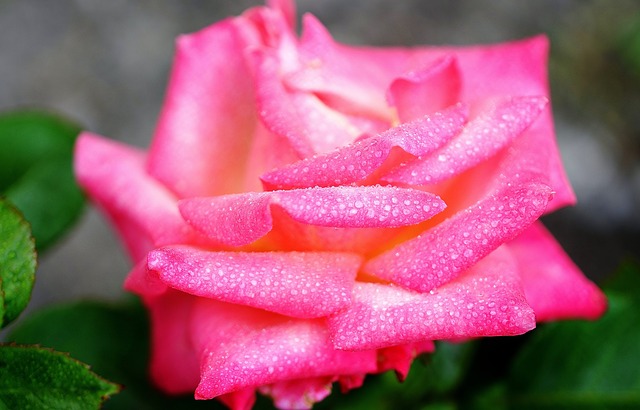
[(105, 64)]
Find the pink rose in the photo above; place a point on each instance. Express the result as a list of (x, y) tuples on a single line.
[(311, 212)]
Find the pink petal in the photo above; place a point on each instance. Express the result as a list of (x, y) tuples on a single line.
[(144, 212), (243, 347), (169, 315), (298, 394), (206, 125), (350, 382), (308, 124), (239, 400), (399, 358), (340, 75), (291, 235), (275, 37), (520, 66), (141, 282), (287, 8), (554, 286), (483, 137), (540, 137), (268, 151), (243, 218), (426, 91), (236, 219), (359, 160), (440, 254), (486, 301), (487, 206), (511, 68), (304, 285)]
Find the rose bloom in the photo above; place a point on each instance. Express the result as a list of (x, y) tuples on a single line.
[(311, 212)]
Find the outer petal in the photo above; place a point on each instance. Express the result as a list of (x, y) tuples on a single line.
[(399, 358), (521, 69), (351, 382), (299, 394), (140, 281), (206, 124), (486, 301), (359, 160), (239, 400), (541, 135), (144, 212), (268, 151), (303, 285), (241, 219), (243, 347), (493, 129), (170, 315), (554, 286)]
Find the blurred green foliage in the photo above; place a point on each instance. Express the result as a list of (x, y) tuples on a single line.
[(36, 172)]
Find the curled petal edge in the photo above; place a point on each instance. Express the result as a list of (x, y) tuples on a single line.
[(240, 219)]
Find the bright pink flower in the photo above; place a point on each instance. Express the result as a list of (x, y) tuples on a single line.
[(311, 212)]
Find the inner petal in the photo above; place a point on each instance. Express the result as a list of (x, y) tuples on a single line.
[(483, 137), (428, 90), (356, 162)]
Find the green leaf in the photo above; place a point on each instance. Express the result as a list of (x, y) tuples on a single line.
[(587, 365), (492, 397), (629, 46), (17, 263), (447, 366), (36, 378), (626, 281), (48, 197), (114, 339), (36, 171), (30, 137)]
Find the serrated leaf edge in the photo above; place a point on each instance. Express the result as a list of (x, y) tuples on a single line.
[(32, 241), (118, 387)]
